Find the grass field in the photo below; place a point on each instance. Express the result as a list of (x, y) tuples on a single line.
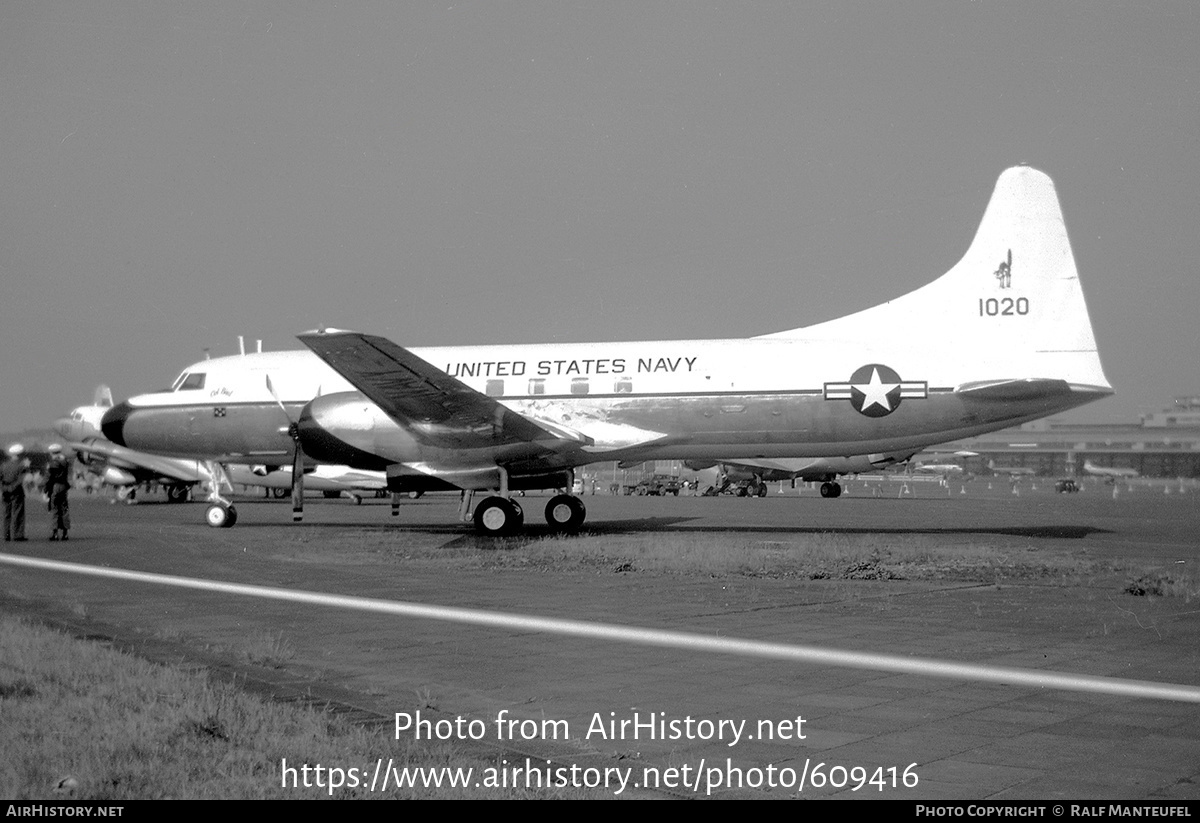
[(82, 721)]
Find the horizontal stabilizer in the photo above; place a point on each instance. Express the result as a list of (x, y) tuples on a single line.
[(1026, 389)]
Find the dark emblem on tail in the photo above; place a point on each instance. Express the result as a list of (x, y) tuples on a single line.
[(875, 390), (1003, 272)]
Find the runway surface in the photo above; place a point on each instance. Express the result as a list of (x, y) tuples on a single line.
[(968, 740)]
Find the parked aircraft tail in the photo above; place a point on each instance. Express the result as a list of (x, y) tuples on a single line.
[(1012, 305)]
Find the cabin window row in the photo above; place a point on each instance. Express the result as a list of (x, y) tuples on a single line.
[(494, 387), (537, 385)]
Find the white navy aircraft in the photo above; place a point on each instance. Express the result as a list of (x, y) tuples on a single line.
[(497, 419)]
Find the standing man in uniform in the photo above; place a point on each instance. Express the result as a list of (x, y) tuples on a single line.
[(12, 479), (58, 483)]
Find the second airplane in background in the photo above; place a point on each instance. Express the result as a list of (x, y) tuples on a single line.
[(497, 419), (122, 467), (1110, 473)]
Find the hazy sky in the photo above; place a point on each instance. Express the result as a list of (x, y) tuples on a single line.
[(177, 174)]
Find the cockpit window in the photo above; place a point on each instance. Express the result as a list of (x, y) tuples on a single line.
[(190, 382)]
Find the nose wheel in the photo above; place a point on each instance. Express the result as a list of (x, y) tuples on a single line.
[(220, 517)]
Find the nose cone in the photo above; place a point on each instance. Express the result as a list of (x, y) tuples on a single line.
[(112, 425)]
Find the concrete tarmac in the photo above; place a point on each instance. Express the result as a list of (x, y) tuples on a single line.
[(955, 739)]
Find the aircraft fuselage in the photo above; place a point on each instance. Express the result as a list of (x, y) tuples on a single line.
[(674, 400)]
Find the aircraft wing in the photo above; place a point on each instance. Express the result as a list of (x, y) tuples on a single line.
[(438, 409), (170, 468)]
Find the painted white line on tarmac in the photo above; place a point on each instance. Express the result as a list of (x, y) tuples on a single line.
[(653, 637)]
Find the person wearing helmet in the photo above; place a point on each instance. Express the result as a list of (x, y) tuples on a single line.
[(58, 483), (12, 480)]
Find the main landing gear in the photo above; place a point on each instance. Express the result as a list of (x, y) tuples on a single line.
[(497, 516), (565, 513), (831, 489)]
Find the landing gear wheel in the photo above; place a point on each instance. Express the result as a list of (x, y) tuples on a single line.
[(831, 489), (498, 517), (565, 513), (220, 517)]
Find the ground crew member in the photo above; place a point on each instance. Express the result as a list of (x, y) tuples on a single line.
[(58, 483), (12, 479)]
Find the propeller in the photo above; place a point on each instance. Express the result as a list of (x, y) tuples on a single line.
[(297, 458)]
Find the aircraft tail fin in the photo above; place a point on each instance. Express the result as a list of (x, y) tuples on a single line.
[(1012, 305), (102, 397)]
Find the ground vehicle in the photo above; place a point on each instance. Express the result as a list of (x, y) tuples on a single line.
[(744, 487), (656, 485)]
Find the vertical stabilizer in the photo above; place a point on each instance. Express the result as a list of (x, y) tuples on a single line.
[(1012, 306)]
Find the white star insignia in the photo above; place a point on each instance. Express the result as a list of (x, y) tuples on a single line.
[(875, 393)]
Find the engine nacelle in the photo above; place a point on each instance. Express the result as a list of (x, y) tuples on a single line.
[(344, 428)]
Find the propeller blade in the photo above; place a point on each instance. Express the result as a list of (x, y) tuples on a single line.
[(297, 458), (278, 402), (297, 484)]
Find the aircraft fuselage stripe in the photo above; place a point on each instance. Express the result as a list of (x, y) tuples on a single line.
[(208, 405)]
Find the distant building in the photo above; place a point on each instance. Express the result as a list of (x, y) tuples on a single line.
[(1162, 444)]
